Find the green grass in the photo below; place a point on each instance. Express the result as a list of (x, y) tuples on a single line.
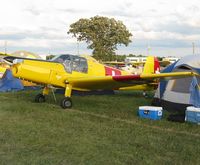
[(98, 130)]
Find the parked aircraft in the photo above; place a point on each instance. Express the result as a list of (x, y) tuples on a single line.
[(84, 73)]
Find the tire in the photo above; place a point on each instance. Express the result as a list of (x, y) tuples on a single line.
[(40, 98), (66, 103)]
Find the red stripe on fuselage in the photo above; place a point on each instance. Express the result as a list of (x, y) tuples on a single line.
[(109, 71)]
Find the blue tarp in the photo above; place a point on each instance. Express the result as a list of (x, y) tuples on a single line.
[(182, 93), (9, 83), (195, 93), (163, 83)]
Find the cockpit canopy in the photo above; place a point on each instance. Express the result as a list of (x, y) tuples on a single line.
[(72, 63)]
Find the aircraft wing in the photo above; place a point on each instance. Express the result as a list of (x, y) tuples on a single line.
[(121, 81)]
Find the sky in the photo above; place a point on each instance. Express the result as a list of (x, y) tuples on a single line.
[(159, 27)]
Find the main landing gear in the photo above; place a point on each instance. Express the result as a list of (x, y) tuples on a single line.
[(65, 103)]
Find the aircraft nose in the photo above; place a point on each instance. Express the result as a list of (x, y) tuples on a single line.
[(12, 60)]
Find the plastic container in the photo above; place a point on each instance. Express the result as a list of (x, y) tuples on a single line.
[(192, 114), (150, 112)]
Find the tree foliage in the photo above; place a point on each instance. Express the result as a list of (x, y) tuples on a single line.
[(102, 34), (49, 57)]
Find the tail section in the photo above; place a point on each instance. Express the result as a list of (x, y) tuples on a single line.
[(151, 66)]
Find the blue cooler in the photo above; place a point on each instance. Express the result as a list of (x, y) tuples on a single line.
[(150, 112), (192, 114)]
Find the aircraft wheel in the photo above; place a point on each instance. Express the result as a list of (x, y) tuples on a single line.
[(66, 103), (40, 98)]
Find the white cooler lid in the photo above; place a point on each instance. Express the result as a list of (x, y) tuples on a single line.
[(151, 108), (194, 109)]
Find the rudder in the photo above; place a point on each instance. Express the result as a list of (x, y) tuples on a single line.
[(151, 65)]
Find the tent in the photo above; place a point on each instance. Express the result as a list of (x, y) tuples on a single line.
[(9, 83), (175, 95)]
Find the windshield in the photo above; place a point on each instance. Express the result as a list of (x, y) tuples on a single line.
[(72, 63)]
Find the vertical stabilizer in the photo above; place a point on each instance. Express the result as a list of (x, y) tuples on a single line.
[(151, 66)]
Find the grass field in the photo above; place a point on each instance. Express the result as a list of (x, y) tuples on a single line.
[(98, 130)]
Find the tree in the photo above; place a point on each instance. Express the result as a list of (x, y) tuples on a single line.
[(120, 58), (49, 57), (102, 34)]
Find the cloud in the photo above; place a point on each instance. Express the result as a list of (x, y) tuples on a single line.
[(179, 28), (167, 43), (33, 10), (72, 10), (41, 33), (44, 24)]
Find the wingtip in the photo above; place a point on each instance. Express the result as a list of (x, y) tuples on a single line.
[(195, 74)]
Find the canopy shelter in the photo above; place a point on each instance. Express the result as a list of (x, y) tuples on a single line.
[(175, 95)]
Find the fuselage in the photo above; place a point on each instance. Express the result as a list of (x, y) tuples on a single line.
[(57, 71)]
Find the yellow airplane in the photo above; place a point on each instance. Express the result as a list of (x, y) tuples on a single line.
[(84, 73)]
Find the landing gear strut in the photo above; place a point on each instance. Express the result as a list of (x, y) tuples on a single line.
[(40, 98), (66, 103)]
